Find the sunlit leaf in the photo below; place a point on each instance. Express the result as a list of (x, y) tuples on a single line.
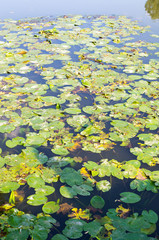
[(8, 187), (50, 207), (36, 199), (35, 182), (67, 192), (60, 151), (103, 185)]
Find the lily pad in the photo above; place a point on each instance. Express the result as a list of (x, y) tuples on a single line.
[(59, 237), (2, 162), (8, 187), (15, 141), (97, 202), (67, 192), (34, 140), (83, 189), (71, 177), (103, 185), (74, 228), (150, 215), (35, 182), (45, 190), (36, 199), (129, 197), (60, 151), (73, 110), (18, 234), (93, 228), (50, 207)]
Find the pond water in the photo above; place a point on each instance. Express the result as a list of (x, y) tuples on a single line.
[(79, 120), (145, 11), (142, 9)]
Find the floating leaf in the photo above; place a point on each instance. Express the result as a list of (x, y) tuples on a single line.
[(129, 197), (39, 232), (36, 199), (45, 190), (150, 230), (59, 237), (2, 162), (93, 228), (71, 177), (8, 187), (83, 189), (150, 215), (15, 141), (35, 182), (142, 185), (67, 192), (50, 207), (18, 234), (74, 228), (60, 151), (97, 202), (90, 130), (103, 185), (73, 110), (34, 140)]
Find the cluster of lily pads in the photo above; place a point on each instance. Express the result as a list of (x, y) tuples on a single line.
[(73, 92)]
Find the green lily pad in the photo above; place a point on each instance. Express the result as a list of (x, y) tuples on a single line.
[(15, 221), (103, 185), (129, 197), (78, 121), (59, 237), (150, 230), (58, 161), (60, 151), (45, 190), (6, 128), (36, 199), (15, 141), (71, 177), (54, 125), (18, 234), (35, 182), (150, 215), (97, 202), (34, 140), (8, 187), (90, 130), (67, 192), (2, 162), (83, 189), (74, 228), (39, 232), (73, 110), (50, 207), (93, 228), (142, 185)]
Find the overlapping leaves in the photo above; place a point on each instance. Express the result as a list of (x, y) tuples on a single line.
[(70, 86)]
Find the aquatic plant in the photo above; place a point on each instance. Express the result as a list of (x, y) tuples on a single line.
[(79, 129)]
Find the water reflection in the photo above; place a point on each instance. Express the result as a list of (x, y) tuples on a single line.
[(152, 7)]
